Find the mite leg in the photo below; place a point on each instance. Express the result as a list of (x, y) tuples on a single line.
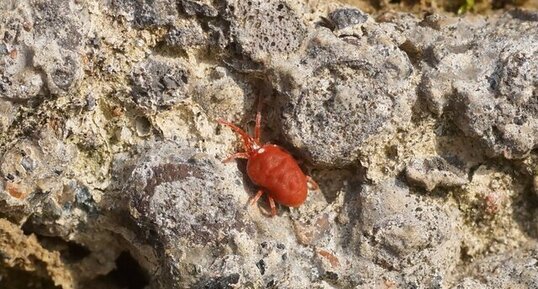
[(258, 120), (247, 140), (273, 207), (256, 198), (315, 185), (236, 156)]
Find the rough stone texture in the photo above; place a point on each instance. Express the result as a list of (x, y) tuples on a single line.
[(26, 253), (434, 172), (265, 29), (335, 91), (31, 171), (110, 151), (513, 269), (414, 241), (159, 83), (42, 48), (495, 101), (159, 188)]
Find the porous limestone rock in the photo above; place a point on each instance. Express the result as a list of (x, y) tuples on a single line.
[(420, 131)]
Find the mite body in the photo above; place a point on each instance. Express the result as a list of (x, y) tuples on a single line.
[(272, 168), (276, 171)]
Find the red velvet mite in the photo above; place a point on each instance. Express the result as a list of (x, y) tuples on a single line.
[(272, 168)]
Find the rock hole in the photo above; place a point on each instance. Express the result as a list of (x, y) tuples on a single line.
[(77, 252), (128, 273), (143, 126), (184, 78), (261, 266), (70, 251)]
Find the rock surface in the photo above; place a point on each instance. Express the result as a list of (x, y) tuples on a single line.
[(421, 133)]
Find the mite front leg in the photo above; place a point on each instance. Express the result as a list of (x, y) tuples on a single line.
[(313, 183), (258, 121), (236, 156), (256, 198), (273, 207)]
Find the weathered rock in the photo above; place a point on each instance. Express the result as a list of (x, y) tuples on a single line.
[(199, 7), (264, 30), (345, 17), (400, 232), (186, 34), (222, 96), (32, 170), (26, 253), (495, 101), (110, 153), (146, 13), (159, 83), (434, 172), (43, 49), (513, 269), (7, 115), (490, 203), (336, 94), (167, 183)]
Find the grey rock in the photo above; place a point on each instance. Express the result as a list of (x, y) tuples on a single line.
[(434, 172), (513, 269), (336, 95), (168, 182), (43, 48), (159, 82), (146, 13), (31, 171), (199, 7), (265, 29), (186, 35), (342, 18), (494, 102), (400, 232), (71, 207), (67, 30)]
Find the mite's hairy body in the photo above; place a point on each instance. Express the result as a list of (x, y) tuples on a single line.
[(272, 168), (276, 170)]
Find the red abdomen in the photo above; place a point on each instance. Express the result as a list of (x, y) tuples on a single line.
[(277, 171)]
